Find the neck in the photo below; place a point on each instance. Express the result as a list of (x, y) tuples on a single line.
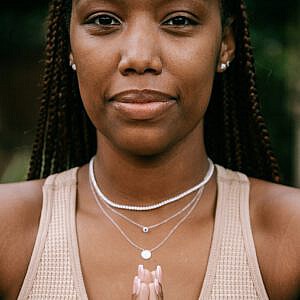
[(136, 180)]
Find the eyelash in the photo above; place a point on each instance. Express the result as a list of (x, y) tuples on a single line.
[(187, 21), (93, 21)]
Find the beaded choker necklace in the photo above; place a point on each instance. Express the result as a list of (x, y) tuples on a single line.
[(100, 194)]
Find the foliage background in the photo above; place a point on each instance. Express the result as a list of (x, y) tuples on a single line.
[(275, 37)]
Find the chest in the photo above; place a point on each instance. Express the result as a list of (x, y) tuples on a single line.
[(109, 262)]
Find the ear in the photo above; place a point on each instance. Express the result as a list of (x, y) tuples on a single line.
[(227, 51), (71, 58), (71, 62)]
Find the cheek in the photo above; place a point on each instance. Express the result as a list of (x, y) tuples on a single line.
[(96, 64), (193, 66)]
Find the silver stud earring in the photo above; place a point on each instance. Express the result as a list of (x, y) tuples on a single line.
[(225, 66), (73, 66)]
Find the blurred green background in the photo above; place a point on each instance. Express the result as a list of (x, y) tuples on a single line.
[(275, 28)]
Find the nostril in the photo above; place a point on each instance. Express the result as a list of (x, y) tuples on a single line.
[(140, 65), (129, 71), (141, 71)]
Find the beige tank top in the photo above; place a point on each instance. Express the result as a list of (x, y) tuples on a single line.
[(233, 272)]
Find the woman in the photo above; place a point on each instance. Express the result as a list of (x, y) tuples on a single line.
[(153, 89)]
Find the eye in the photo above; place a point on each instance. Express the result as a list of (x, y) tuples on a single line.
[(104, 20), (180, 21)]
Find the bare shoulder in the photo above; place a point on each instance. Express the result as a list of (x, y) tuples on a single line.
[(277, 207), (20, 209), (19, 203), (275, 218)]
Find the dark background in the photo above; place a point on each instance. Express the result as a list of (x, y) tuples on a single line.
[(275, 31)]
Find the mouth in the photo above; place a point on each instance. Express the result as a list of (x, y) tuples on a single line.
[(142, 104)]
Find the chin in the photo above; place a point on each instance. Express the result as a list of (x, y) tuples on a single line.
[(146, 145), (145, 151)]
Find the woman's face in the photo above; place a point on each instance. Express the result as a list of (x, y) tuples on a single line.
[(145, 68)]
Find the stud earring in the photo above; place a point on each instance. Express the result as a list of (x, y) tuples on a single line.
[(73, 66), (224, 66)]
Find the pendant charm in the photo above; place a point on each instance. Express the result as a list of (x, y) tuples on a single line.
[(146, 254), (145, 229)]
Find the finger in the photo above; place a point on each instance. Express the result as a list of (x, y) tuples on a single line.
[(153, 274), (141, 272), (158, 273), (152, 293), (158, 289), (144, 292), (136, 287)]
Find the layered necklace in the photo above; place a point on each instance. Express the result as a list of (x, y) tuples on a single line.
[(147, 253)]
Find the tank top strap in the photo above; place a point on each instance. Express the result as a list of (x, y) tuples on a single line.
[(233, 271), (54, 272)]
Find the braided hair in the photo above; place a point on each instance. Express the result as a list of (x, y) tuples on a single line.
[(235, 132)]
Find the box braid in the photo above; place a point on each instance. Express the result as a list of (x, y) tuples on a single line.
[(60, 142), (235, 132)]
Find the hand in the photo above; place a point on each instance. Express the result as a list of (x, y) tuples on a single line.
[(147, 285)]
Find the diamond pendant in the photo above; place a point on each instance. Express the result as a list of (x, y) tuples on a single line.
[(145, 229), (146, 254)]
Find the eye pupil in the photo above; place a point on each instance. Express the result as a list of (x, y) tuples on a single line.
[(105, 20), (179, 21)]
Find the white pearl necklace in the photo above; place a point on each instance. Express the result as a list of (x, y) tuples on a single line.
[(149, 207)]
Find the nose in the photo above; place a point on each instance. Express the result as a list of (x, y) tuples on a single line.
[(140, 52)]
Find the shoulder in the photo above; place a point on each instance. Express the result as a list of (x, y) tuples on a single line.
[(276, 206), (19, 201), (275, 218), (20, 208)]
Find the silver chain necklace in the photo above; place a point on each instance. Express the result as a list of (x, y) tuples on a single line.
[(144, 228), (146, 254), (149, 207)]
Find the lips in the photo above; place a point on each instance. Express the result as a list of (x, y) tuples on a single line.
[(141, 96), (142, 104)]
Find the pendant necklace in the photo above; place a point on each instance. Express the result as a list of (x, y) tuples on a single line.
[(146, 254), (148, 228)]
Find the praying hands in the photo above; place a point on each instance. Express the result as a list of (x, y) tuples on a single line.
[(147, 285)]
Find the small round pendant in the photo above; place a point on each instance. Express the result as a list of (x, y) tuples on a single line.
[(145, 229), (146, 254)]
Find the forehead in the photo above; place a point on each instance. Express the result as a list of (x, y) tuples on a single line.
[(145, 2), (153, 6)]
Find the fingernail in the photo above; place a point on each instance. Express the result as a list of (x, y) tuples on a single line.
[(156, 286), (135, 285), (158, 273), (141, 271), (138, 286)]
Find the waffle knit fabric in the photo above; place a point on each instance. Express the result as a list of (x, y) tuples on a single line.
[(233, 272)]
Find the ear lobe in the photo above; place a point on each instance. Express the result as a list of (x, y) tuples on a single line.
[(71, 62), (71, 58)]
